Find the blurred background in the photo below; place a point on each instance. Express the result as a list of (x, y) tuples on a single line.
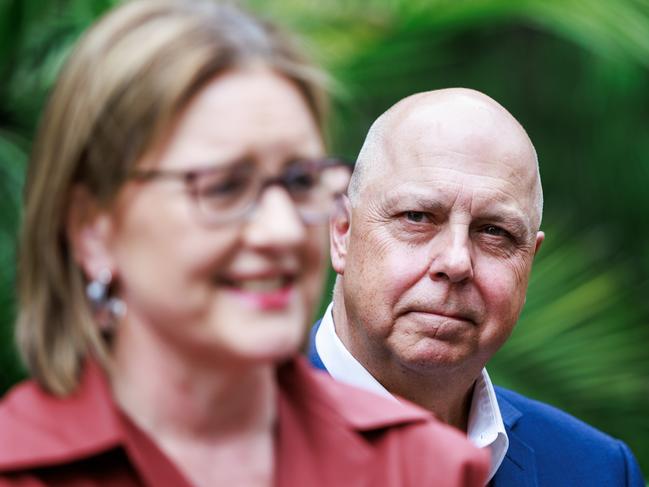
[(575, 73)]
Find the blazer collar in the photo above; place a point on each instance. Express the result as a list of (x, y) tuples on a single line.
[(326, 428), (519, 466), (41, 429), (319, 395)]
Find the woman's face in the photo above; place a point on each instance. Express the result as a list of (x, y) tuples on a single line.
[(239, 291)]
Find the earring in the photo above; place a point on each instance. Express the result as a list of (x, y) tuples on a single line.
[(108, 309)]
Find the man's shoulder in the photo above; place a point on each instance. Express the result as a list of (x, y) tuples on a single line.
[(545, 419), (567, 450)]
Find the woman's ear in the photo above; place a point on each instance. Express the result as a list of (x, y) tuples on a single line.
[(339, 228), (88, 230)]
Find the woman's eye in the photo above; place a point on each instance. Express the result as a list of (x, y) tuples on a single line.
[(416, 216), (229, 187), (299, 180)]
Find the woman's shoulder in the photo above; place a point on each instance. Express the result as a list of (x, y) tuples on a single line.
[(20, 410), (356, 407), (24, 411), (400, 436), (39, 428)]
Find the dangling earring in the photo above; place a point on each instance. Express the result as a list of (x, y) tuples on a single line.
[(108, 309)]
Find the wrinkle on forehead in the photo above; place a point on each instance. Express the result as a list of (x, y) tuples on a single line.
[(430, 128)]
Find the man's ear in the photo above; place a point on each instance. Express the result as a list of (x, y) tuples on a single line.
[(339, 229), (88, 229), (540, 237)]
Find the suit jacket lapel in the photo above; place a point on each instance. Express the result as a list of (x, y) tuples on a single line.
[(519, 465), (313, 355)]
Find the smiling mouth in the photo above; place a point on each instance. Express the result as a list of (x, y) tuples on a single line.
[(263, 285), (266, 293), (260, 285)]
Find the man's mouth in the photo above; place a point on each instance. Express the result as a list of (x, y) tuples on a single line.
[(452, 315)]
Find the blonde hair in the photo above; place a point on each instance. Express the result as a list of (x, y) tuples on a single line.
[(122, 87)]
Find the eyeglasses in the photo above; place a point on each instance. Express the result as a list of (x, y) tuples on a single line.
[(225, 194)]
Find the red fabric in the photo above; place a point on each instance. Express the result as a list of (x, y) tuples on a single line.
[(328, 434)]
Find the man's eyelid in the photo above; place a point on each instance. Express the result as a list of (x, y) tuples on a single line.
[(497, 227), (426, 216), (508, 233)]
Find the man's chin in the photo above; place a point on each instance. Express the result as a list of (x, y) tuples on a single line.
[(436, 358)]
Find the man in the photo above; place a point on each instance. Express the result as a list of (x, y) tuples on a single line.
[(433, 249)]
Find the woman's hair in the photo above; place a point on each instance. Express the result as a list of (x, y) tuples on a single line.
[(118, 94)]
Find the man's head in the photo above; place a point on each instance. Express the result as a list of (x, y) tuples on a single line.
[(435, 246)]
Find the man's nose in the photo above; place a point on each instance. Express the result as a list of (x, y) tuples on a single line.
[(451, 257), (275, 222)]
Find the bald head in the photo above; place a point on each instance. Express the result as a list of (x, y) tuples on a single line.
[(454, 120)]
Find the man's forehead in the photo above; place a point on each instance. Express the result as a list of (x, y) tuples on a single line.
[(447, 195), (487, 139), (461, 134)]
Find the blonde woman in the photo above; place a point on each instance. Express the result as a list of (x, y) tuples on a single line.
[(173, 249)]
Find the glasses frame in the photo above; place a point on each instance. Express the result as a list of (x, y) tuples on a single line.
[(189, 178)]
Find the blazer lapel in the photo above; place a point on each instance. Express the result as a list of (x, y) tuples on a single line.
[(312, 353), (519, 465)]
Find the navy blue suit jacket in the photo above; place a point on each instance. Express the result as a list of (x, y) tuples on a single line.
[(550, 448)]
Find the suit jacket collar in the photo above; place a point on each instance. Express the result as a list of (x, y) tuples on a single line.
[(519, 466)]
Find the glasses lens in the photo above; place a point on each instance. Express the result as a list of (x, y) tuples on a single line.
[(314, 185), (225, 193)]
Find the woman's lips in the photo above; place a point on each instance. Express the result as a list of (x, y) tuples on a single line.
[(263, 293)]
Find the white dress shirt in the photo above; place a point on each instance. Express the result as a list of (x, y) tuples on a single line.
[(485, 427)]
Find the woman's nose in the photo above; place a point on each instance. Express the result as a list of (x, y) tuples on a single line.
[(275, 222)]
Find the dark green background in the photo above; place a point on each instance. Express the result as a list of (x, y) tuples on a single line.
[(575, 73)]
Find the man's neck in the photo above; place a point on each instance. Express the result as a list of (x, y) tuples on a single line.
[(437, 391)]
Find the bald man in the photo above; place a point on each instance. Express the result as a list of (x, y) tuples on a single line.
[(433, 249)]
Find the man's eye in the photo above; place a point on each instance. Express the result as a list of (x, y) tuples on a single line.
[(495, 231), (416, 216)]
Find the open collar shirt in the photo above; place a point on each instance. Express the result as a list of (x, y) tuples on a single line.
[(485, 426)]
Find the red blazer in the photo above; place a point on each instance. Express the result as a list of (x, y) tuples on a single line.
[(328, 434)]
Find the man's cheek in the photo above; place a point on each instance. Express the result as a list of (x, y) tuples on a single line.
[(402, 270)]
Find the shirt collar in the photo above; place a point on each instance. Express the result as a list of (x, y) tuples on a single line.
[(485, 428)]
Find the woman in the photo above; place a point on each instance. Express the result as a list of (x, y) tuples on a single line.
[(173, 249)]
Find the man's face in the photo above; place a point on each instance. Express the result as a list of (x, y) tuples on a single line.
[(436, 261)]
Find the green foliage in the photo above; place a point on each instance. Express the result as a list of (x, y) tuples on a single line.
[(12, 163), (574, 72), (35, 37)]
